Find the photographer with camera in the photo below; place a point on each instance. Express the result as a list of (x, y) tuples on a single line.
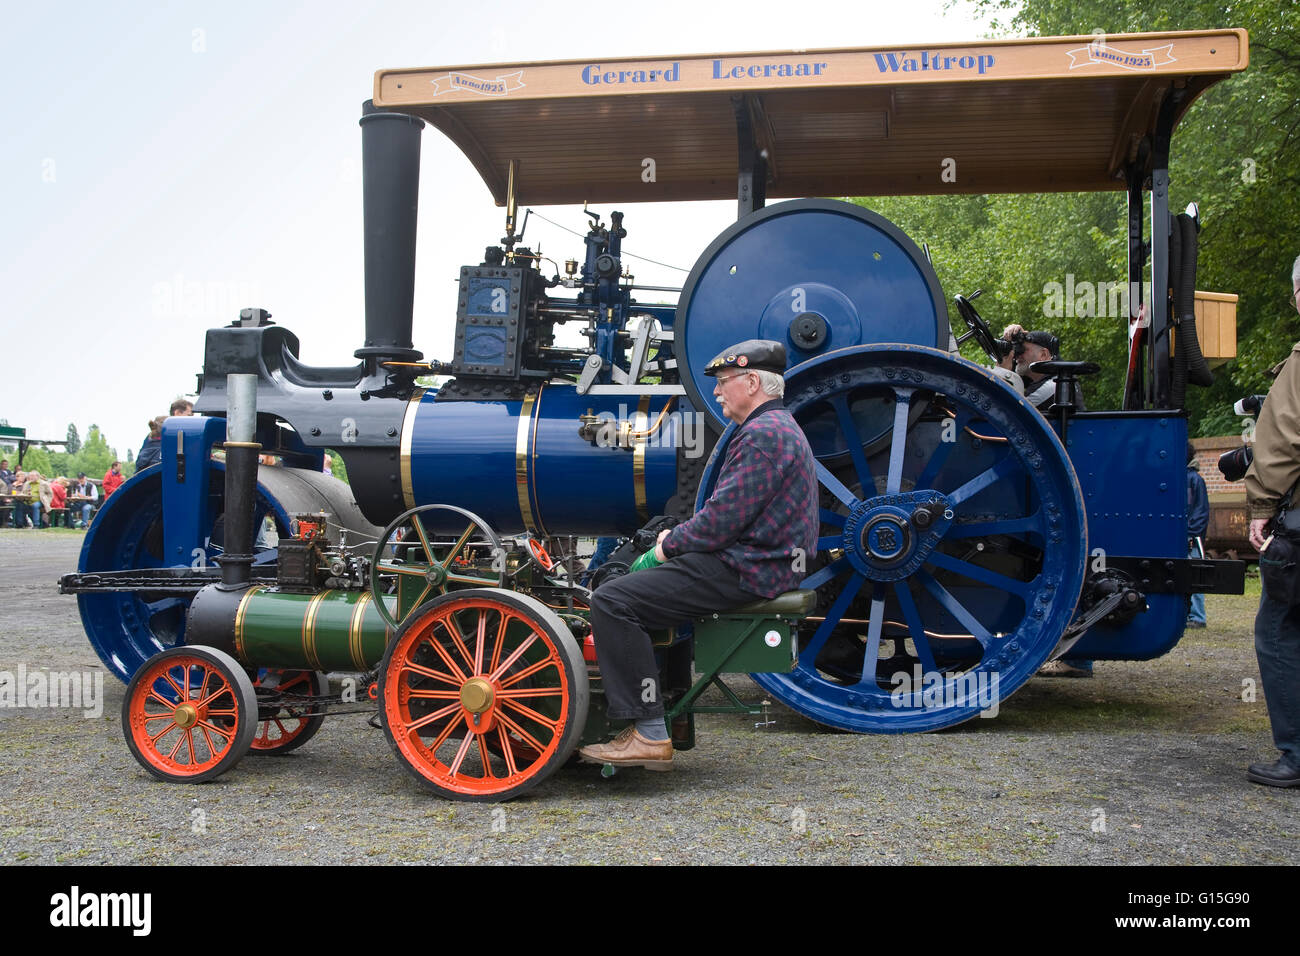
[(1020, 350), (1275, 531)]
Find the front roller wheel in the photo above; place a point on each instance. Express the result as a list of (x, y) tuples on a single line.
[(189, 714), (483, 693)]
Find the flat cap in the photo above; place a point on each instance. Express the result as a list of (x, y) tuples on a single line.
[(750, 355)]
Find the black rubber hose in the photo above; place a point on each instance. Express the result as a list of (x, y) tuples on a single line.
[(1198, 370)]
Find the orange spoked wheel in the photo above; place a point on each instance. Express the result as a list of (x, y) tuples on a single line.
[(288, 709), (483, 693), (189, 714)]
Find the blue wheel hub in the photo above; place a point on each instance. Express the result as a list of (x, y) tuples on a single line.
[(888, 537), (952, 546)]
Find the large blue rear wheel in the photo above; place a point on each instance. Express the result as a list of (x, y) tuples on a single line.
[(953, 541)]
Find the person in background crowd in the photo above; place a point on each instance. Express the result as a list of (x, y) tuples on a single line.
[(45, 496), (85, 488), (151, 450), (1198, 521), (328, 464), (181, 406), (6, 476), (14, 489), (58, 499), (28, 493), (112, 479), (27, 503)]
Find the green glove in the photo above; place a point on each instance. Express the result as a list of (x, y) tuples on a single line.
[(647, 560)]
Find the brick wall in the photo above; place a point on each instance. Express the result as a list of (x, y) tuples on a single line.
[(1208, 451)]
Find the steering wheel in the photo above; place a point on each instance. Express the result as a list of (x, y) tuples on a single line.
[(976, 327)]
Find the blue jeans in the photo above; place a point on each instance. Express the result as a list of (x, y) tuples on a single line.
[(86, 509), (1277, 647), (1197, 611)]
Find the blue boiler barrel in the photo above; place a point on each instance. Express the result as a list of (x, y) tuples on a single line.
[(522, 465)]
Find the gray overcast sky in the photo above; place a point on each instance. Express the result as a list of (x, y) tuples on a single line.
[(166, 164)]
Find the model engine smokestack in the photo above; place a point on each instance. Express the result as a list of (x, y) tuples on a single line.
[(390, 158)]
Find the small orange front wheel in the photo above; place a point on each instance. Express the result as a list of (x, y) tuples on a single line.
[(189, 714)]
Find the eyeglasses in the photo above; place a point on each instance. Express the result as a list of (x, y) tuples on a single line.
[(723, 379)]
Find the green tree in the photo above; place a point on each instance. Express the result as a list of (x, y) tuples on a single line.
[(74, 440), (95, 456), (36, 459)]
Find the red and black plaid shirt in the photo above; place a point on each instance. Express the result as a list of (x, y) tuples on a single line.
[(761, 519)]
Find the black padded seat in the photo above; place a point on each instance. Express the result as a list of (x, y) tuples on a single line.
[(798, 603)]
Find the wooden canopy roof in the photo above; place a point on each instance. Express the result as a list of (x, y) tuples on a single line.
[(1032, 115)]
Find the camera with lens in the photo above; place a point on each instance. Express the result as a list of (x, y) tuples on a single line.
[(1234, 464), (1014, 344)]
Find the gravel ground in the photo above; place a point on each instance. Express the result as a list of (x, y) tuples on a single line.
[(1144, 764)]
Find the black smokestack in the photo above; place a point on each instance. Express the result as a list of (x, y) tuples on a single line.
[(390, 159)]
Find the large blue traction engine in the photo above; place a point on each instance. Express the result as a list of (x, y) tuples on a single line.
[(966, 539)]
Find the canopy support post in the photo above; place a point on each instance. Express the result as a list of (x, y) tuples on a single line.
[(1135, 177), (1158, 362), (752, 175)]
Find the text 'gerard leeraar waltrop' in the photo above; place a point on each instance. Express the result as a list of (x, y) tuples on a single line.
[(894, 61)]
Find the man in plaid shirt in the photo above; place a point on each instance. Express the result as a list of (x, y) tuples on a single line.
[(743, 545)]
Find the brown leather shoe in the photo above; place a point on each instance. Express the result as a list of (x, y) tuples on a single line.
[(630, 749)]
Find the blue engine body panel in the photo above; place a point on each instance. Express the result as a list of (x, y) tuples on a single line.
[(1134, 481), (521, 465)]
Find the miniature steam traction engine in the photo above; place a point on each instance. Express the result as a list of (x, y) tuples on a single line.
[(966, 539)]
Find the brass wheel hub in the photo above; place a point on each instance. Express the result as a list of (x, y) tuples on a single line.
[(186, 716), (476, 695)]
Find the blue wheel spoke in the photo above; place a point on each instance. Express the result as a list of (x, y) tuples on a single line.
[(835, 486), (872, 656), (830, 542), (840, 402), (834, 569), (979, 529), (898, 443), (973, 571), (914, 625), (808, 656), (832, 518), (985, 478), (955, 608), (941, 452)]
